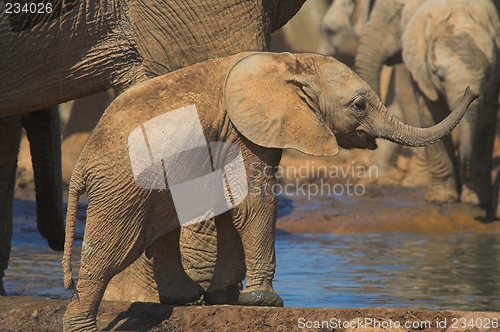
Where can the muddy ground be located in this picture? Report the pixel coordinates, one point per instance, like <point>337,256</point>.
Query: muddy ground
<point>392,202</point>
<point>35,314</point>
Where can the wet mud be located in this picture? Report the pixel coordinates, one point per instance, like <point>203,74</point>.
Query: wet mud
<point>35,314</point>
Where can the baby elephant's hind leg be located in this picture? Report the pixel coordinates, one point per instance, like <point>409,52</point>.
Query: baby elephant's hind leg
<point>100,261</point>
<point>174,285</point>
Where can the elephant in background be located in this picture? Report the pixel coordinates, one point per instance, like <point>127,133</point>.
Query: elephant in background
<point>446,45</point>
<point>84,48</point>
<point>259,102</point>
<point>341,29</point>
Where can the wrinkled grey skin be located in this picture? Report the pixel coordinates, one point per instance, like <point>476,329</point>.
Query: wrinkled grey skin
<point>316,105</point>
<point>86,47</point>
<point>446,45</point>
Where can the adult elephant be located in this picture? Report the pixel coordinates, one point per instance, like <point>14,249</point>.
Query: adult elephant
<point>81,48</point>
<point>446,45</point>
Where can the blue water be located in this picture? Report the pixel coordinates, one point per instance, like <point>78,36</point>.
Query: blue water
<point>459,271</point>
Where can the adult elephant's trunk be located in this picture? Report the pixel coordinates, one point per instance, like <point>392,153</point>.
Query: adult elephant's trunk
<point>389,127</point>
<point>379,41</point>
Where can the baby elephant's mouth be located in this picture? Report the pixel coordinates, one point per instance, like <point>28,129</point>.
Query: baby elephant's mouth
<point>356,140</point>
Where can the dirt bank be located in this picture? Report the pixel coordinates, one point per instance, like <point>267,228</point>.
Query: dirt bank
<point>35,314</point>
<point>383,209</point>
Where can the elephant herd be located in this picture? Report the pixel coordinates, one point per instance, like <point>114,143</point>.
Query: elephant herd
<point>444,44</point>
<point>436,48</point>
<point>168,56</point>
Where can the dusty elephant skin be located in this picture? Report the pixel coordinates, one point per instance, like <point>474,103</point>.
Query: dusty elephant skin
<point>261,103</point>
<point>84,47</point>
<point>446,45</point>
<point>91,47</point>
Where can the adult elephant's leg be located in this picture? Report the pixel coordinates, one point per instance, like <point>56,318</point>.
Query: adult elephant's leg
<point>44,135</point>
<point>441,163</point>
<point>10,138</point>
<point>476,173</point>
<point>230,264</point>
<point>386,149</point>
<point>405,95</point>
<point>174,285</point>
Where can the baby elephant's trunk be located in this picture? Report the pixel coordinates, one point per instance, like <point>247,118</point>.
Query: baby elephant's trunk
<point>396,131</point>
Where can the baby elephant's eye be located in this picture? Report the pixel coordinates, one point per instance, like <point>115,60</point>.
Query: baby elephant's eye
<point>360,104</point>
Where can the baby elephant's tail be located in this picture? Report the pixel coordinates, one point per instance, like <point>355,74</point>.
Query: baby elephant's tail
<point>76,188</point>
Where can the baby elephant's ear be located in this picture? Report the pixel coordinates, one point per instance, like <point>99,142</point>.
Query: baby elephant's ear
<point>270,102</point>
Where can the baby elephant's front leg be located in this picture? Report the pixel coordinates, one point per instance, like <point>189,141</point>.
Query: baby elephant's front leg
<point>255,223</point>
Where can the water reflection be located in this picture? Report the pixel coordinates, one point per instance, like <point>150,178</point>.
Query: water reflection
<point>449,272</point>
<point>36,271</point>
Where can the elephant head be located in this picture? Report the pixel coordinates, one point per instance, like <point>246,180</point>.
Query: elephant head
<point>315,104</point>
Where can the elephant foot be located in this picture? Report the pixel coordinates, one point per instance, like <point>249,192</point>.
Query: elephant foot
<point>73,325</point>
<point>441,192</point>
<point>496,211</point>
<point>417,177</point>
<point>260,295</point>
<point>480,196</point>
<point>418,174</point>
<point>260,298</point>
<point>187,293</point>
<point>75,319</point>
<point>226,295</point>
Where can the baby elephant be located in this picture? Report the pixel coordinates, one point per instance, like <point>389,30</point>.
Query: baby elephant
<point>179,148</point>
